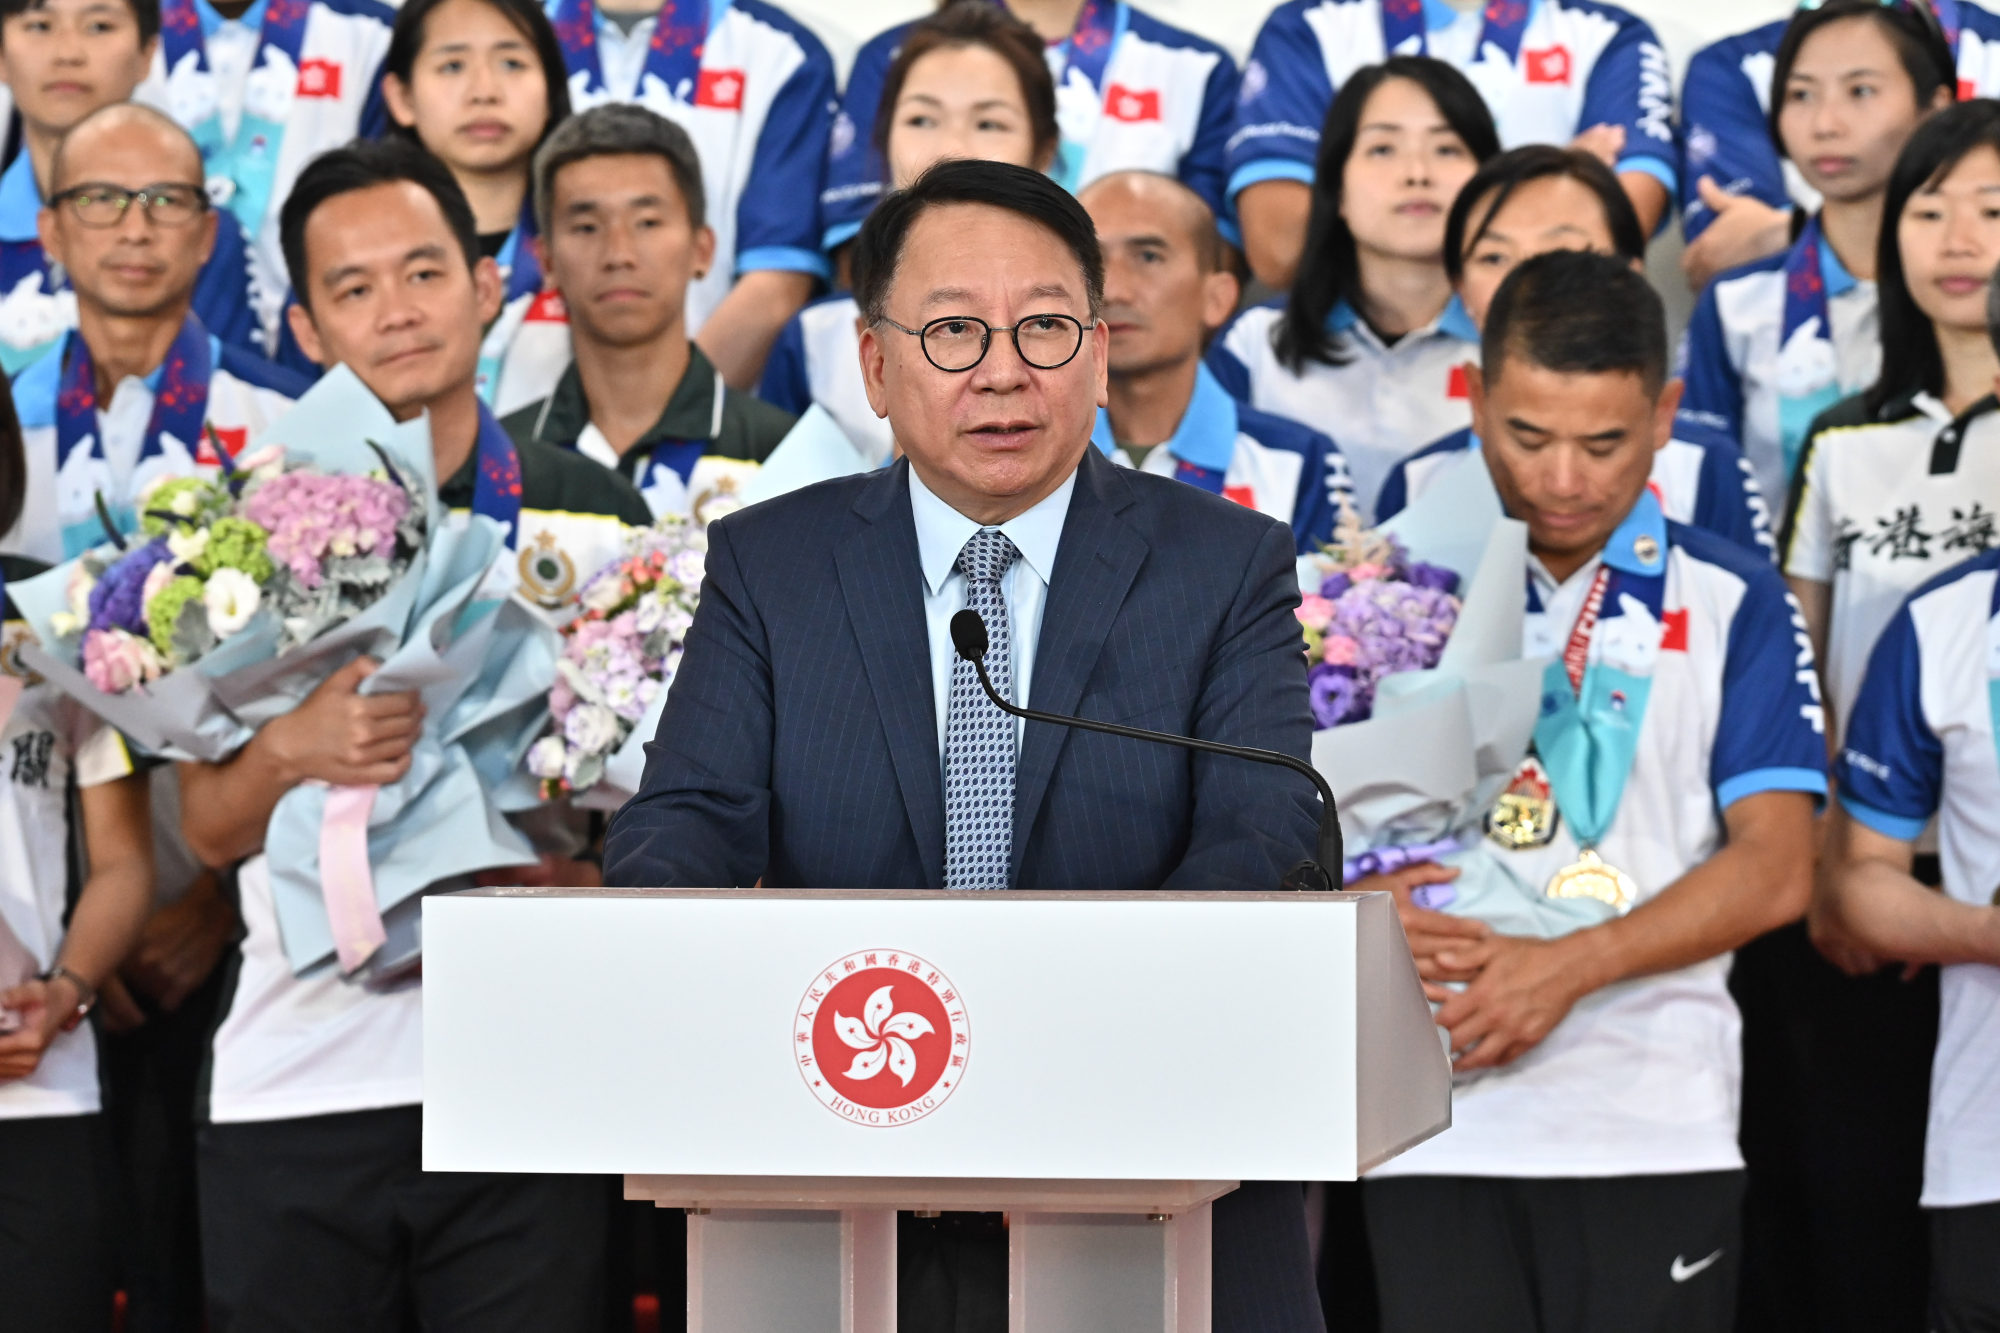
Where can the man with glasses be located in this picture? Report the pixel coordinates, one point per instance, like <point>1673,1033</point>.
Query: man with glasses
<point>819,729</point>
<point>619,199</point>
<point>141,388</point>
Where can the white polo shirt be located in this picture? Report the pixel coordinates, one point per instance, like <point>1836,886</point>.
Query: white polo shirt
<point>1921,743</point>
<point>817,359</point>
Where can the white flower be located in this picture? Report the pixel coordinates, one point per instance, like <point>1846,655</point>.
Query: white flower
<point>882,1037</point>
<point>591,728</point>
<point>676,622</point>
<point>184,501</point>
<point>187,546</point>
<point>646,616</point>
<point>545,757</point>
<point>264,463</point>
<point>603,595</point>
<point>231,597</point>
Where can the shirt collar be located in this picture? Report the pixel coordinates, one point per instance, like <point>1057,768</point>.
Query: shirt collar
<point>1453,320</point>
<point>1639,546</point>
<point>212,20</point>
<point>694,412</point>
<point>942,531</point>
<point>1206,436</point>
<point>20,200</point>
<point>1833,274</point>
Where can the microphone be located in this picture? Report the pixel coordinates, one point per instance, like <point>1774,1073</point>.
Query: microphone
<point>968,636</point>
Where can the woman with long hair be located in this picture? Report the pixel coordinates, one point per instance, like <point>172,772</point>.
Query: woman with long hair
<point>1371,337</point>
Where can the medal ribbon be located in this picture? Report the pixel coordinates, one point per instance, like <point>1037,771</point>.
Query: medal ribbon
<point>180,404</point>
<point>1808,379</point>
<point>249,158</point>
<point>680,31</point>
<point>1505,22</point>
<point>496,483</point>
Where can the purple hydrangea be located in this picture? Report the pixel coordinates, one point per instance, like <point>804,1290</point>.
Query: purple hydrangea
<point>1339,694</point>
<point>119,601</point>
<point>1435,577</point>
<point>1395,627</point>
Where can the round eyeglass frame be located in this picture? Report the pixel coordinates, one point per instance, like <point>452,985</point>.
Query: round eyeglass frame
<point>144,196</point>
<point>986,339</point>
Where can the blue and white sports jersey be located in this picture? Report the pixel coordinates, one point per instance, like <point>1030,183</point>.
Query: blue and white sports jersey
<point>245,393</point>
<point>1390,400</point>
<point>1132,93</point>
<point>1726,105</point>
<point>263,95</point>
<point>1559,68</point>
<point>817,359</point>
<point>1653,1064</point>
<point>758,100</point>
<point>37,306</point>
<point>1266,463</point>
<point>1702,482</point>
<point>1921,743</point>
<point>1740,368</point>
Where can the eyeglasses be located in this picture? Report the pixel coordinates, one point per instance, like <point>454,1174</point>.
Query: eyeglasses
<point>168,205</point>
<point>957,343</point>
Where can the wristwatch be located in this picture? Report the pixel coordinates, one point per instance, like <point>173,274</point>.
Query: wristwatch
<point>86,993</point>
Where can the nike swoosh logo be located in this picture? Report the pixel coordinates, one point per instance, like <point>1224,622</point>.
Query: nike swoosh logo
<point>1683,1270</point>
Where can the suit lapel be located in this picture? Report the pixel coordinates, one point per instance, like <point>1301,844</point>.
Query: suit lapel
<point>881,580</point>
<point>1098,558</point>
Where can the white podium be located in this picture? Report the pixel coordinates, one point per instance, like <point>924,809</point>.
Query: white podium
<point>794,1067</point>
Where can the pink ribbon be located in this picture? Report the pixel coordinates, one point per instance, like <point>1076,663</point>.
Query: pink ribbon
<point>346,880</point>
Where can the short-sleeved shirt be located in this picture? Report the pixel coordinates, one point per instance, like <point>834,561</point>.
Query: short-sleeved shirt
<point>1160,100</point>
<point>289,1046</point>
<point>817,359</point>
<point>1920,744</point>
<point>1390,399</point>
<point>333,97</point>
<point>1643,1076</point>
<point>708,441</point>
<point>46,743</point>
<point>1579,64</point>
<point>1266,463</point>
<point>1700,481</point>
<point>1726,104</point>
<point>37,306</point>
<point>1734,365</point>
<point>1883,505</point>
<point>759,113</point>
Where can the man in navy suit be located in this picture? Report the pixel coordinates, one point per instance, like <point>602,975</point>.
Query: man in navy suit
<point>821,734</point>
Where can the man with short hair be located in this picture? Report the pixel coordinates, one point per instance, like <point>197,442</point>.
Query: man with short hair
<point>1166,291</point>
<point>65,59</point>
<point>316,1212</point>
<point>141,389</point>
<point>819,729</point>
<point>1591,1179</point>
<point>620,203</point>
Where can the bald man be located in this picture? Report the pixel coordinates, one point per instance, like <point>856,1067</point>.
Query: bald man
<point>1166,292</point>
<point>124,397</point>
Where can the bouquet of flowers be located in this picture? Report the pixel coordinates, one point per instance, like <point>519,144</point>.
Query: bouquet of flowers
<point>619,655</point>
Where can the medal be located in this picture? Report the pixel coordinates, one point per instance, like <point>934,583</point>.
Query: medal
<point>1592,877</point>
<point>1525,814</point>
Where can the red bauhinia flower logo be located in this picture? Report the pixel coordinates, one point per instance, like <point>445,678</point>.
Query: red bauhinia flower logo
<point>881,1037</point>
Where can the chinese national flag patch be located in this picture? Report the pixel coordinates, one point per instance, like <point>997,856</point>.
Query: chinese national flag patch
<point>1454,387</point>
<point>1674,638</point>
<point>547,308</point>
<point>1130,104</point>
<point>719,88</point>
<point>319,78</point>
<point>1549,65</point>
<point>1243,495</point>
<point>233,438</point>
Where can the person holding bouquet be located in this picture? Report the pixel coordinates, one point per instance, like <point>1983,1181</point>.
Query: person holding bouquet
<point>141,389</point>
<point>55,1245</point>
<point>1166,289</point>
<point>624,231</point>
<point>316,1212</point>
<point>1591,1179</point>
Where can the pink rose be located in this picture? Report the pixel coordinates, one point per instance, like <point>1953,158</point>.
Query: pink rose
<point>115,661</point>
<point>1314,611</point>
<point>1363,573</point>
<point>1339,650</point>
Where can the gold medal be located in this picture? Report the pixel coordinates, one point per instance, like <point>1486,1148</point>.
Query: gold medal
<point>1525,814</point>
<point>1592,877</point>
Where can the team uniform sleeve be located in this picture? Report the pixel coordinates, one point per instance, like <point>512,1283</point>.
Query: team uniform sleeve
<point>1228,368</point>
<point>1730,503</point>
<point>222,289</point>
<point>1891,767</point>
<point>1205,168</point>
<point>1811,546</point>
<point>1771,732</point>
<point>1712,399</point>
<point>777,218</point>
<point>1322,488</point>
<point>854,172</point>
<point>1631,86</point>
<point>1726,138</point>
<point>1284,99</point>
<point>785,383</point>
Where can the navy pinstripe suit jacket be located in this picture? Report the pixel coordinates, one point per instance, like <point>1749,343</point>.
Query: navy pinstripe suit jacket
<point>799,743</point>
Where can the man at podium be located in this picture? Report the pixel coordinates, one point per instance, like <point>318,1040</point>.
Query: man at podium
<point>822,733</point>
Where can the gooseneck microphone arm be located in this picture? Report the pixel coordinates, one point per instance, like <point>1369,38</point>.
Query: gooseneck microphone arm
<point>968,636</point>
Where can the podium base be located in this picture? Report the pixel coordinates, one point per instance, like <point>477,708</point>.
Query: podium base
<point>1106,1256</point>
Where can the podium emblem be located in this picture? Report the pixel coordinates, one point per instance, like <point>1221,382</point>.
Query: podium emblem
<point>881,1038</point>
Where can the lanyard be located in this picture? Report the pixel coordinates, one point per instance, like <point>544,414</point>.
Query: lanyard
<point>1808,364</point>
<point>673,56</point>
<point>244,164</point>
<point>180,405</point>
<point>1576,653</point>
<point>1504,24</point>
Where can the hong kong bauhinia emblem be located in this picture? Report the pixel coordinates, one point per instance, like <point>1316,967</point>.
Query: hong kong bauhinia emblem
<point>881,1037</point>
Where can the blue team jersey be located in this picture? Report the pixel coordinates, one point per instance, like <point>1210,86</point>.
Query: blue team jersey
<point>1701,481</point>
<point>1155,99</point>
<point>37,306</point>
<point>1726,102</point>
<point>1575,64</point>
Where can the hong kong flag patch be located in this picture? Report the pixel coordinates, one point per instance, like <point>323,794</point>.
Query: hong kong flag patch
<point>319,78</point>
<point>233,438</point>
<point>547,308</point>
<point>1674,631</point>
<point>1131,104</point>
<point>1549,65</point>
<point>1455,386</point>
<point>719,88</point>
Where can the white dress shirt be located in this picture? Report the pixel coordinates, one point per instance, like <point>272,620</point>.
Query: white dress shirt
<point>942,533</point>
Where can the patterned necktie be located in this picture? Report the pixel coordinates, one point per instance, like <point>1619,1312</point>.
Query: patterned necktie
<point>979,738</point>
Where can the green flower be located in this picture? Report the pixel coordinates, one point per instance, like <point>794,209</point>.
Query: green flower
<point>164,614</point>
<point>236,543</point>
<point>179,503</point>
